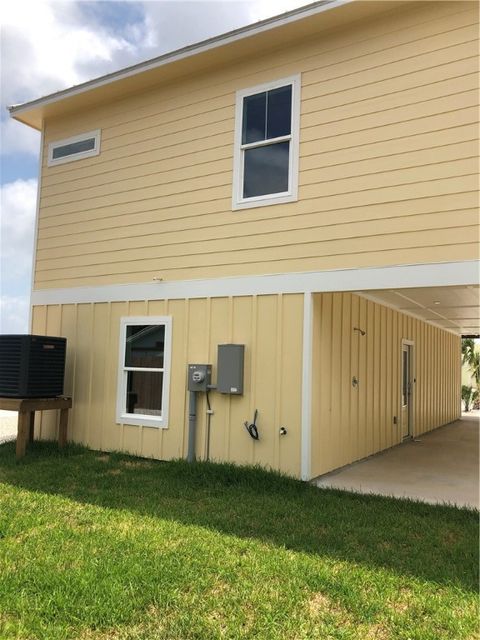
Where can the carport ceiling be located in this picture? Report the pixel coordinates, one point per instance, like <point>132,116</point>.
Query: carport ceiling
<point>453,308</point>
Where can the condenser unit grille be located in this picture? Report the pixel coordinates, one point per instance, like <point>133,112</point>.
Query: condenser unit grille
<point>10,364</point>
<point>32,366</point>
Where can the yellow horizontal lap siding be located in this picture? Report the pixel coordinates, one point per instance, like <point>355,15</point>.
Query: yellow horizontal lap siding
<point>175,231</point>
<point>160,193</point>
<point>165,260</point>
<point>174,133</point>
<point>155,166</point>
<point>385,150</point>
<point>253,233</point>
<point>175,102</point>
<point>436,122</point>
<point>459,193</point>
<point>169,172</point>
<point>115,139</point>
<point>216,186</point>
<point>135,165</point>
<point>461,75</point>
<point>406,28</point>
<point>326,259</point>
<point>378,258</point>
<point>198,326</point>
<point>341,77</point>
<point>387,163</point>
<point>350,222</point>
<point>351,423</point>
<point>149,186</point>
<point>457,186</point>
<point>351,159</point>
<point>146,128</point>
<point>143,152</point>
<point>331,108</point>
<point>387,115</point>
<point>431,80</point>
<point>206,172</point>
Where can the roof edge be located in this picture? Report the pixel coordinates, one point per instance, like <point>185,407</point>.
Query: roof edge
<point>184,52</point>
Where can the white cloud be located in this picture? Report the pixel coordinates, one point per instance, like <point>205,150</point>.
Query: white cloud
<point>17,138</point>
<point>266,8</point>
<point>14,314</point>
<point>46,46</point>
<point>170,25</point>
<point>18,204</point>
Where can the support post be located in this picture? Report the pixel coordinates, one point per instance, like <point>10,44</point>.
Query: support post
<point>62,428</point>
<point>192,425</point>
<point>306,439</point>
<point>22,433</point>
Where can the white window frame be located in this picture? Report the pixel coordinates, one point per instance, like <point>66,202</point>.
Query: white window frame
<point>51,161</point>
<point>122,416</point>
<point>238,201</point>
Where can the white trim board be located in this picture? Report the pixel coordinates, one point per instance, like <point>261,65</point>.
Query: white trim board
<point>441,274</point>
<point>307,364</point>
<point>35,231</point>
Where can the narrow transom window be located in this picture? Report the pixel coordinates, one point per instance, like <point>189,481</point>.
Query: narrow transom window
<point>75,148</point>
<point>145,345</point>
<point>266,144</point>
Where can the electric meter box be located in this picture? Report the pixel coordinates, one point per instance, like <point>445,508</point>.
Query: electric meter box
<point>230,368</point>
<point>199,377</point>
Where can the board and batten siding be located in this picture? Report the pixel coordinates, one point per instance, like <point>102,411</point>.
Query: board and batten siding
<point>270,327</point>
<point>388,163</point>
<point>350,423</point>
<point>347,423</point>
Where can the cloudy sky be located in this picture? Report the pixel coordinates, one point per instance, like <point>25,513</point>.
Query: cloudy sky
<point>49,45</point>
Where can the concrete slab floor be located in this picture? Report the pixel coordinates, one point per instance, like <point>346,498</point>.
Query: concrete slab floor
<point>438,467</point>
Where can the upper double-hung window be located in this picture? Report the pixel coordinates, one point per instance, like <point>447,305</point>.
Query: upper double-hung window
<point>266,144</point>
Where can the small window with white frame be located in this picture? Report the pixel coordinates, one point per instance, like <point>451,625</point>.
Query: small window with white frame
<point>267,124</point>
<point>144,371</point>
<point>78,147</point>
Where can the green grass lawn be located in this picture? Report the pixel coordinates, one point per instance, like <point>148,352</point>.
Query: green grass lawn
<point>96,546</point>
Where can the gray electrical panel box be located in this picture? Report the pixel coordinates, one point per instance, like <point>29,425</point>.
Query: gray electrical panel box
<point>199,377</point>
<point>230,368</point>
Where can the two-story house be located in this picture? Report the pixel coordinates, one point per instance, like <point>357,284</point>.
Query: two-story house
<point>306,187</point>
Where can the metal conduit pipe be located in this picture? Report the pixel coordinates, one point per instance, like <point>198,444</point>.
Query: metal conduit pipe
<point>192,425</point>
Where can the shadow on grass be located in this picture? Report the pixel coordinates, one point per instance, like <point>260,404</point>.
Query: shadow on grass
<point>435,543</point>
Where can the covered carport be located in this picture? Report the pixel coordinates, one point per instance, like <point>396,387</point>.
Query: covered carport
<point>438,467</point>
<point>441,465</point>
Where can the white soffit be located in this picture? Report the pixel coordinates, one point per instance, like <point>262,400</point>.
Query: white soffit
<point>456,308</point>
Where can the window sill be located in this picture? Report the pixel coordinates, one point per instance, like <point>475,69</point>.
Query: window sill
<point>264,201</point>
<point>142,421</point>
